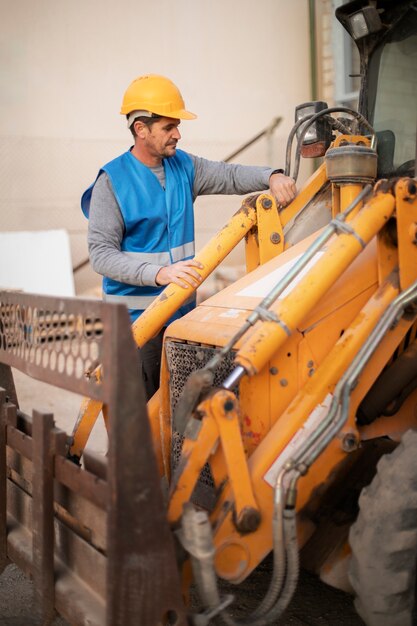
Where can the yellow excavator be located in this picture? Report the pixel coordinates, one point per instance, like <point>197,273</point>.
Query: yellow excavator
<point>286,419</point>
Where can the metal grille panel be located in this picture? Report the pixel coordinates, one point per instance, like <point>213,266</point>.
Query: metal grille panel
<point>182,359</point>
<point>54,339</point>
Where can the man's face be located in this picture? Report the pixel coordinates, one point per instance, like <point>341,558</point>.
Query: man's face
<point>161,138</point>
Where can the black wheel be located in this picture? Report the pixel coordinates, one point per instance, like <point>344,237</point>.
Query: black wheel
<point>384,541</point>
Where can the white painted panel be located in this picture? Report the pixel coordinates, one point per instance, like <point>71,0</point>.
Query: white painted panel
<point>36,262</point>
<point>263,286</point>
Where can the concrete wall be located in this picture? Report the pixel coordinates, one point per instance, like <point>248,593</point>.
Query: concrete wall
<point>67,63</point>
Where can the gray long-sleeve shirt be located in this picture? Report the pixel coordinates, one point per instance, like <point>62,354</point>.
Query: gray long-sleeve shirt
<point>106,226</point>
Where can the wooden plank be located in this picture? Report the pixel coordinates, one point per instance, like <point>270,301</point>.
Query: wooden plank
<point>80,481</point>
<point>19,546</point>
<point>3,484</point>
<point>84,517</point>
<point>43,515</point>
<point>141,557</point>
<point>24,423</point>
<point>81,516</point>
<point>19,442</point>
<point>96,464</point>
<point>76,601</point>
<point>7,383</point>
<point>19,505</point>
<point>78,555</point>
<point>20,465</point>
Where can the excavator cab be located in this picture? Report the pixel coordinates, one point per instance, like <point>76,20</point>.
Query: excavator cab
<point>385,33</point>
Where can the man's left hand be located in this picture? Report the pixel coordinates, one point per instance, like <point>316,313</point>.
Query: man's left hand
<point>282,188</point>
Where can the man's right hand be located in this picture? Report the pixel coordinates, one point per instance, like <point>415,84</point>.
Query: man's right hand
<point>181,273</point>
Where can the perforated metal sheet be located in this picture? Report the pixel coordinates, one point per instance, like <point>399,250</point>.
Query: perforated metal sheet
<point>182,359</point>
<point>55,339</point>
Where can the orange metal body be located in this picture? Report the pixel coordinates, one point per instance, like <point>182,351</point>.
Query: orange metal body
<point>270,336</point>
<point>330,313</point>
<point>292,362</point>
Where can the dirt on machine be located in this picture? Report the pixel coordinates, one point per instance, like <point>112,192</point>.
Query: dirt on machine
<point>286,419</point>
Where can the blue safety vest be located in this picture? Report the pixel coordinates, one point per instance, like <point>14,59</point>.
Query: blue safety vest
<point>159,223</point>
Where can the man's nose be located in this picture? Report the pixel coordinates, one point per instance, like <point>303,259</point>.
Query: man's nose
<point>176,134</point>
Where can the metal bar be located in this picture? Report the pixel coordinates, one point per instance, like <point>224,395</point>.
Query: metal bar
<point>43,516</point>
<point>274,123</point>
<point>81,265</point>
<point>141,558</point>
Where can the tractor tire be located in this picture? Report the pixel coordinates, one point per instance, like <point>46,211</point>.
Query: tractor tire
<point>384,541</point>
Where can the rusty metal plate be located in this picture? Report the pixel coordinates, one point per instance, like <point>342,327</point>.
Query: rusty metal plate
<point>57,340</point>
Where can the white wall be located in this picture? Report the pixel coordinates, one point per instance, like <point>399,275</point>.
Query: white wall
<point>66,64</point>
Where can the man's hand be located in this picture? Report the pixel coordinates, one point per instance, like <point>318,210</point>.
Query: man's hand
<point>181,273</point>
<point>282,188</point>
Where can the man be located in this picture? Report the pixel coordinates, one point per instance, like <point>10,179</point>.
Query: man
<point>140,208</point>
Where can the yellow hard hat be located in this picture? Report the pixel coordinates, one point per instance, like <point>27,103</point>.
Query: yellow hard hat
<point>155,94</point>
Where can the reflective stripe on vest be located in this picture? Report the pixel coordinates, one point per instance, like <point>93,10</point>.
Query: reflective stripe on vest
<point>162,258</point>
<point>138,302</point>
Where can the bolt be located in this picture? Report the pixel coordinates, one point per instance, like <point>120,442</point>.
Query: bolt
<point>310,363</point>
<point>275,237</point>
<point>412,189</point>
<point>229,405</point>
<point>273,371</point>
<point>311,371</point>
<point>248,520</point>
<point>283,382</point>
<point>350,442</point>
<point>266,203</point>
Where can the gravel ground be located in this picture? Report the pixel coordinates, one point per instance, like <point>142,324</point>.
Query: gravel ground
<point>314,603</point>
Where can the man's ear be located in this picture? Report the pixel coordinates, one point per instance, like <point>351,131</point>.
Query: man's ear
<point>140,129</point>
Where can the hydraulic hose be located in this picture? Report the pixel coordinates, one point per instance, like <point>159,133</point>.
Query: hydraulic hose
<point>307,121</point>
<point>197,540</point>
<point>293,567</point>
<point>290,140</point>
<point>279,563</point>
